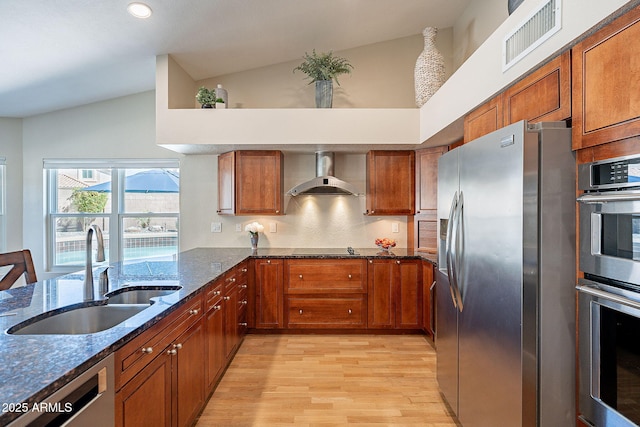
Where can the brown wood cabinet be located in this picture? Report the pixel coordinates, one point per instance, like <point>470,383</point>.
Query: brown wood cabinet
<point>269,297</point>
<point>250,183</point>
<point>390,183</point>
<point>606,87</point>
<point>165,364</point>
<point>214,320</point>
<point>395,294</point>
<point>325,293</point>
<point>428,289</point>
<point>544,95</point>
<point>427,198</point>
<point>484,119</point>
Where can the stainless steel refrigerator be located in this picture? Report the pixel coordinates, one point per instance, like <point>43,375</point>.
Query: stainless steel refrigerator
<point>505,297</point>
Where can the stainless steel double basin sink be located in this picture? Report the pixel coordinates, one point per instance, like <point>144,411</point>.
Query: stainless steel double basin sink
<point>90,318</point>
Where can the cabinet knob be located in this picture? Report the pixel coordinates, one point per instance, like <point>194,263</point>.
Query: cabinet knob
<point>300,311</point>
<point>349,276</point>
<point>370,261</point>
<point>217,292</point>
<point>172,352</point>
<point>349,311</point>
<point>397,262</point>
<point>243,302</point>
<point>300,276</point>
<point>194,311</point>
<point>177,346</point>
<point>244,270</point>
<point>243,286</point>
<point>216,307</point>
<point>277,211</point>
<point>268,261</point>
<point>147,350</point>
<point>226,298</point>
<point>242,323</point>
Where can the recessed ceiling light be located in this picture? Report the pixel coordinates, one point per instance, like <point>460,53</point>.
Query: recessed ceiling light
<point>139,10</point>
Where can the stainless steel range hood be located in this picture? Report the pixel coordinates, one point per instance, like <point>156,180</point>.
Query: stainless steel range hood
<point>324,182</point>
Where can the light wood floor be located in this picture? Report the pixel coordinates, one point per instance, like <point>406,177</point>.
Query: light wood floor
<point>329,380</point>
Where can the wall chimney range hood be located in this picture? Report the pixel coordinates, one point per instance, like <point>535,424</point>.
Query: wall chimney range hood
<point>324,182</point>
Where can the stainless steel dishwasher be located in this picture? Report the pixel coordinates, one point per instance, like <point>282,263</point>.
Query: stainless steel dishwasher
<point>88,400</point>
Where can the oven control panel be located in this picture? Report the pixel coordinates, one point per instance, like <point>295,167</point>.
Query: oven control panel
<point>621,172</point>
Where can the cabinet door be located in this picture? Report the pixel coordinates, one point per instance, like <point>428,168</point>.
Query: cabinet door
<point>269,293</point>
<point>146,399</point>
<point>409,294</point>
<point>189,364</point>
<point>427,197</point>
<point>226,183</point>
<point>391,183</point>
<point>606,87</point>
<point>381,297</point>
<point>259,177</point>
<point>428,311</point>
<point>483,120</point>
<point>544,95</point>
<point>230,307</point>
<point>216,357</point>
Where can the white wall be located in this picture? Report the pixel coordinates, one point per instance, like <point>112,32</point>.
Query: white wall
<point>11,149</point>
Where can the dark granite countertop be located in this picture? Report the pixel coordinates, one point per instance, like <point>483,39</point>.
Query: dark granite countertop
<point>34,366</point>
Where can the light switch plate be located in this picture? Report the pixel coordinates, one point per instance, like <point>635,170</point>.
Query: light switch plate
<point>216,227</point>
<point>238,227</point>
<point>394,227</point>
<point>273,227</point>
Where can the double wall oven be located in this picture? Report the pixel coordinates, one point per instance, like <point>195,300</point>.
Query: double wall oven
<point>609,294</point>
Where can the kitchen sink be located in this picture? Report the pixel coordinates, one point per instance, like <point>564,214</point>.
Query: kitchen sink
<point>134,295</point>
<point>83,320</point>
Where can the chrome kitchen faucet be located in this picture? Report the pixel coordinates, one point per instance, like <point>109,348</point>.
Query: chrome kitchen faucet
<point>88,274</point>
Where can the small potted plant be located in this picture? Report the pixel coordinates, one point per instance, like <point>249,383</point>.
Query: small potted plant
<point>220,103</point>
<point>323,68</point>
<point>206,97</point>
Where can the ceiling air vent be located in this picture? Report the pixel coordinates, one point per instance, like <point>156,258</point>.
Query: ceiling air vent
<point>538,27</point>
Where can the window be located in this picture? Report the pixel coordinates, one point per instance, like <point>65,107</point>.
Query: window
<point>87,174</point>
<point>3,220</point>
<point>135,203</point>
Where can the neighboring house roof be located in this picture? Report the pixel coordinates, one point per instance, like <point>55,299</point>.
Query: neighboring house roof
<point>65,181</point>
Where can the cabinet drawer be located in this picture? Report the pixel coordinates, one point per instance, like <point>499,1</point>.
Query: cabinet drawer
<point>140,351</point>
<point>326,312</point>
<point>322,276</point>
<point>214,295</point>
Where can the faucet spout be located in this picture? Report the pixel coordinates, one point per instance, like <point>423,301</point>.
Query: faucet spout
<point>88,274</point>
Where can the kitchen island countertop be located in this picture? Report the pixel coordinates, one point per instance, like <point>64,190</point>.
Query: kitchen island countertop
<point>34,366</point>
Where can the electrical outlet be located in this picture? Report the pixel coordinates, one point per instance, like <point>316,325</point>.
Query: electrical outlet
<point>394,227</point>
<point>216,227</point>
<point>273,227</point>
<point>238,227</point>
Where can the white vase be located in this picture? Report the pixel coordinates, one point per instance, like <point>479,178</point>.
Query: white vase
<point>429,71</point>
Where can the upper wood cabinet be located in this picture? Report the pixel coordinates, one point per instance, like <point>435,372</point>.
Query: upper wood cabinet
<point>544,95</point>
<point>250,183</point>
<point>390,183</point>
<point>483,120</point>
<point>606,87</point>
<point>427,197</point>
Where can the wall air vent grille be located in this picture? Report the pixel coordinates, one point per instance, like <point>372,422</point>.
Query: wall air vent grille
<point>538,27</point>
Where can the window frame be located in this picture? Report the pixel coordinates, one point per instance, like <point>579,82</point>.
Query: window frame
<point>116,214</point>
<point>3,205</point>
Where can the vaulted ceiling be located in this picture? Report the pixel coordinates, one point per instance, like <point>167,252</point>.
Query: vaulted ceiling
<point>60,54</point>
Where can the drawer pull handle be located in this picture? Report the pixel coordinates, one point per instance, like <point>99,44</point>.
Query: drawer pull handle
<point>217,292</point>
<point>243,286</point>
<point>147,350</point>
<point>349,311</point>
<point>226,298</point>
<point>242,323</point>
<point>216,307</point>
<point>194,311</point>
<point>177,346</point>
<point>172,352</point>
<point>243,302</point>
<point>233,279</point>
<point>244,270</point>
<point>300,311</point>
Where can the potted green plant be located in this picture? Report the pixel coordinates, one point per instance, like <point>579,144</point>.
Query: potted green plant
<point>220,103</point>
<point>206,97</point>
<point>323,68</point>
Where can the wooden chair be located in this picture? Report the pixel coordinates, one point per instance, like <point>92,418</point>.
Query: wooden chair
<point>22,264</point>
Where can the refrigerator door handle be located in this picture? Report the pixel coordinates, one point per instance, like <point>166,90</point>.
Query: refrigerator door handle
<point>458,250</point>
<point>448,254</point>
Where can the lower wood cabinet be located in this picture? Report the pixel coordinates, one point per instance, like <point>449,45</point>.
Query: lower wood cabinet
<point>326,312</point>
<point>428,289</point>
<point>395,294</point>
<point>159,373</point>
<point>215,339</point>
<point>269,298</point>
